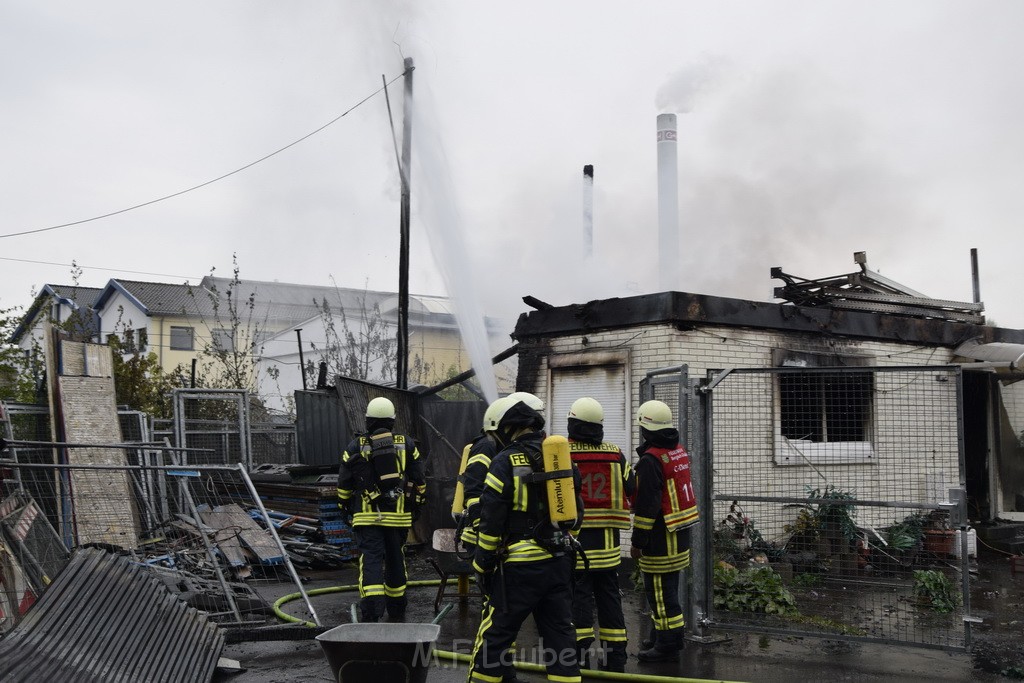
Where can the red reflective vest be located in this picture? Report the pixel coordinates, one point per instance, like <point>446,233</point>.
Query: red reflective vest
<point>678,502</point>
<point>605,503</point>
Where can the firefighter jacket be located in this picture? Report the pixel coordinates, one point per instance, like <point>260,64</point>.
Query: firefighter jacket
<point>514,522</point>
<point>607,485</point>
<point>481,452</point>
<point>665,503</point>
<point>381,486</point>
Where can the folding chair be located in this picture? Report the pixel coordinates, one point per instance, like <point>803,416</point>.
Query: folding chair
<point>448,565</point>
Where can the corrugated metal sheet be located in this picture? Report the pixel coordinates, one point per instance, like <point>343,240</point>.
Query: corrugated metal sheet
<point>321,426</point>
<point>106,619</point>
<point>326,420</point>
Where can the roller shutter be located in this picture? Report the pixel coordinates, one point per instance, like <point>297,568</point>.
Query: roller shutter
<point>604,383</point>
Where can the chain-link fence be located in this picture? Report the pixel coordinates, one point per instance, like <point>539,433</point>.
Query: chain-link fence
<point>837,493</point>
<point>201,528</point>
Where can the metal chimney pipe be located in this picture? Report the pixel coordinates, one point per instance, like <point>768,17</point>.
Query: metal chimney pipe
<point>975,277</point>
<point>588,211</point>
<point>668,204</point>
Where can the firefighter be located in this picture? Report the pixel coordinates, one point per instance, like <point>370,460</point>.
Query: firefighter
<point>664,505</point>
<point>524,549</point>
<point>381,485</point>
<point>471,480</point>
<point>607,485</point>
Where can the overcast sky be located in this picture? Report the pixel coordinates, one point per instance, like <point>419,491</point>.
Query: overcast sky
<point>807,131</point>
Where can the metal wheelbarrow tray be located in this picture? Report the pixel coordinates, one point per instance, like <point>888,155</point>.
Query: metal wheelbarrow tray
<point>374,652</point>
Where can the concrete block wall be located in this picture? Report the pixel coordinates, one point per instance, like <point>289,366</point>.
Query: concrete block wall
<point>915,421</point>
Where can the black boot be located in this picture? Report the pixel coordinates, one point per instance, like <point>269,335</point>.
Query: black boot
<point>614,658</point>
<point>583,653</point>
<point>665,648</point>
<point>396,609</point>
<point>648,642</point>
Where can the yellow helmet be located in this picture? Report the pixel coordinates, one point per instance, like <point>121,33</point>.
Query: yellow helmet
<point>526,397</point>
<point>494,412</point>
<point>654,415</point>
<point>380,407</point>
<point>587,409</point>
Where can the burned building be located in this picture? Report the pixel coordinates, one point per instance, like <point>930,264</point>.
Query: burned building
<point>863,385</point>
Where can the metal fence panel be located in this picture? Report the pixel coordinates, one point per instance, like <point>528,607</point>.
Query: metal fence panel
<point>836,493</point>
<point>200,526</point>
<point>219,442</point>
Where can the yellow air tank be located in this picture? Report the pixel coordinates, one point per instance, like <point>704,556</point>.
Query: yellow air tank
<point>459,502</point>
<point>561,494</point>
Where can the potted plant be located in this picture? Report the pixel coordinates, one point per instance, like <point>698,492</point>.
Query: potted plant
<point>938,537</point>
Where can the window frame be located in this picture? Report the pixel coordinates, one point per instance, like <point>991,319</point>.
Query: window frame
<point>191,338</point>
<point>794,452</point>
<point>222,333</point>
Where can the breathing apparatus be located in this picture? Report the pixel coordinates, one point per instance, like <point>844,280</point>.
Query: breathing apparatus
<point>381,452</point>
<point>561,492</point>
<point>490,427</point>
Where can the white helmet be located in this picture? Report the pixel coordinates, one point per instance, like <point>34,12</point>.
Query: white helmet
<point>526,397</point>
<point>494,412</point>
<point>380,407</point>
<point>587,409</point>
<point>654,415</point>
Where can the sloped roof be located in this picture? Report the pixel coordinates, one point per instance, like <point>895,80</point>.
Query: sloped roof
<point>157,298</point>
<point>291,303</point>
<point>72,295</point>
<point>281,303</point>
<point>75,296</point>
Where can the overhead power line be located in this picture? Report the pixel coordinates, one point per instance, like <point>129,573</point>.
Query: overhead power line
<point>214,180</point>
<point>112,270</point>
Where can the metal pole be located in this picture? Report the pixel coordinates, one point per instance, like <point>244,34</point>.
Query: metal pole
<point>701,562</point>
<point>975,278</point>
<point>588,211</point>
<point>277,539</point>
<point>302,361</point>
<point>402,369</point>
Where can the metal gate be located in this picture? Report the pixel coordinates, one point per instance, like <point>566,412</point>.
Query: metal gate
<point>831,501</point>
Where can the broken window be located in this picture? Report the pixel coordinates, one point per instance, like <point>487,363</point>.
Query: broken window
<point>824,415</point>
<point>825,407</point>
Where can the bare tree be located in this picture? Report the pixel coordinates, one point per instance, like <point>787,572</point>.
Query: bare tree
<point>368,352</point>
<point>237,331</point>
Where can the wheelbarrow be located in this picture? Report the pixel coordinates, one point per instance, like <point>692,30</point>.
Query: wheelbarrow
<point>374,652</point>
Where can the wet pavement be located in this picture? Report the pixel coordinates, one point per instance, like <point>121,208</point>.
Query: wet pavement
<point>997,653</point>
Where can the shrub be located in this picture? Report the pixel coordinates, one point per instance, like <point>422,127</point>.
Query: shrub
<point>933,589</point>
<point>758,589</point>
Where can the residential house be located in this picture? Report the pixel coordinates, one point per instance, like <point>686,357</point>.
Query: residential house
<point>66,305</point>
<point>178,322</point>
<point>324,317</point>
